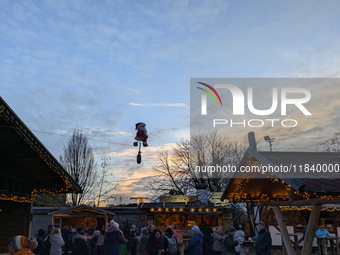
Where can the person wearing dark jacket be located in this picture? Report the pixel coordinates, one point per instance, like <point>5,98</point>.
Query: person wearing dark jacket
<point>169,237</point>
<point>229,243</point>
<point>263,241</point>
<point>218,241</point>
<point>65,235</point>
<point>155,245</point>
<point>70,239</point>
<point>207,240</point>
<point>95,246</point>
<point>48,232</point>
<point>80,244</point>
<point>143,241</point>
<point>195,246</point>
<point>39,236</point>
<point>112,240</point>
<point>133,239</point>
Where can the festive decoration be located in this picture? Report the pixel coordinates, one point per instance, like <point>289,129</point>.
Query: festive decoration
<point>34,144</point>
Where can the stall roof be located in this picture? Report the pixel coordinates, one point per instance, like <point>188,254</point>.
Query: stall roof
<point>27,160</point>
<point>318,184</point>
<point>190,213</point>
<point>180,205</point>
<point>276,185</point>
<point>81,208</point>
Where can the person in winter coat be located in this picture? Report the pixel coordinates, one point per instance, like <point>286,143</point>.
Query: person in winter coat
<point>112,240</point>
<point>195,246</point>
<point>151,229</point>
<point>21,245</point>
<point>39,236</point>
<point>94,247</point>
<point>56,242</point>
<point>49,230</point>
<point>207,240</point>
<point>70,239</point>
<point>239,236</point>
<point>218,241</point>
<point>143,241</point>
<point>133,239</point>
<point>229,243</point>
<point>170,243</point>
<point>155,245</point>
<point>80,244</point>
<point>264,240</point>
<point>65,235</point>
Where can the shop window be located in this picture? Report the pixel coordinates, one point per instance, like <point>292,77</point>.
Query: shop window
<point>57,222</point>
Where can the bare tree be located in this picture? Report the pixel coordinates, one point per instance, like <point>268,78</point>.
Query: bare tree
<point>78,160</point>
<point>330,145</point>
<point>104,189</point>
<point>177,173</point>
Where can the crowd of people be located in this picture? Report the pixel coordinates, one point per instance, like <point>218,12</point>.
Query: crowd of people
<point>149,241</point>
<point>227,243</point>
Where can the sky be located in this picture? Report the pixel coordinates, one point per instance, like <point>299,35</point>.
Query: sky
<point>102,66</point>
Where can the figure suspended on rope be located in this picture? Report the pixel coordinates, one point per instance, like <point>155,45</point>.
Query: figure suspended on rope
<point>142,134</point>
<point>141,137</point>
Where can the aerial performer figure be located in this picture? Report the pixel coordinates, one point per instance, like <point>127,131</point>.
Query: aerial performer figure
<point>141,137</point>
<point>142,134</point>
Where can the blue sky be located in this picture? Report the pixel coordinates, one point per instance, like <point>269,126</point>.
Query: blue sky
<point>102,66</point>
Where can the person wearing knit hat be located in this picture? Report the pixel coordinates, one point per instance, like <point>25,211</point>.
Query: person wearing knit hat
<point>195,229</point>
<point>261,223</point>
<point>195,246</point>
<point>218,241</point>
<point>264,240</point>
<point>94,243</point>
<point>21,245</point>
<point>143,241</point>
<point>113,239</point>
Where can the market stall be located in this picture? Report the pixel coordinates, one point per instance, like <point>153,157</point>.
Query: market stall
<point>187,212</point>
<point>87,217</point>
<point>276,190</point>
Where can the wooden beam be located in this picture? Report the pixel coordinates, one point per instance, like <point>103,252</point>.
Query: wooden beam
<point>284,232</point>
<point>291,195</point>
<point>311,229</point>
<point>320,201</point>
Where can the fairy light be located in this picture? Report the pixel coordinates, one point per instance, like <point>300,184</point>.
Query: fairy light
<point>34,145</point>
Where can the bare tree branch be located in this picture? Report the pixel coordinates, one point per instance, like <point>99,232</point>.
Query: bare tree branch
<point>78,160</point>
<point>176,173</point>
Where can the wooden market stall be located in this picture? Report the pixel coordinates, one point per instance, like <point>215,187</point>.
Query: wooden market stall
<point>83,216</point>
<point>26,168</point>
<point>184,212</point>
<point>277,189</point>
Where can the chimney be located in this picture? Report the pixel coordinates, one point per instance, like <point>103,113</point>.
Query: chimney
<point>252,141</point>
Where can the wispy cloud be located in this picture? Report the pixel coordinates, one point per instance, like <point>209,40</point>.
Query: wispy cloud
<point>161,105</point>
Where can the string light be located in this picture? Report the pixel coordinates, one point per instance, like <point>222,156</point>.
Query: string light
<point>34,145</point>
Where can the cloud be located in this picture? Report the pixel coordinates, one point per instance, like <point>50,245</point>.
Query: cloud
<point>161,105</point>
